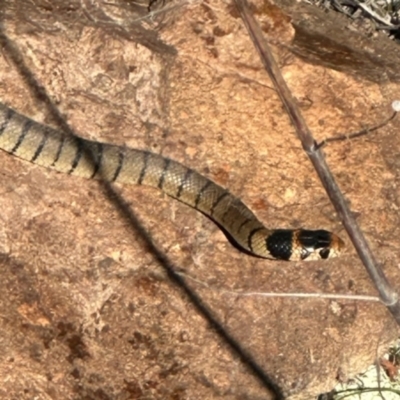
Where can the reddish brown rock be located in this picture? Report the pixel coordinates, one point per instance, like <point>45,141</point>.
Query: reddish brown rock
<point>87,310</point>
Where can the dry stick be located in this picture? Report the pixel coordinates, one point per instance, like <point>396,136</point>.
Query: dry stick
<point>242,293</point>
<point>386,293</point>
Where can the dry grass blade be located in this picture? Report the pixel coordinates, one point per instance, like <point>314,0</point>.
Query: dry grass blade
<point>387,294</point>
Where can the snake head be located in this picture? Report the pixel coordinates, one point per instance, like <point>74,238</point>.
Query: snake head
<point>319,244</point>
<point>301,244</point>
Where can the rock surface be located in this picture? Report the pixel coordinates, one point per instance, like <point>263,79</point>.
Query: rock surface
<point>88,311</point>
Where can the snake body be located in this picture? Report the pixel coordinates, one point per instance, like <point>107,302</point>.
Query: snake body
<point>51,148</point>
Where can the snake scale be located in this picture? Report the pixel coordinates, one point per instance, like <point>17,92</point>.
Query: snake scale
<point>51,148</point>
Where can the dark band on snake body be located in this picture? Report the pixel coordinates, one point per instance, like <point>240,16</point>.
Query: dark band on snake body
<point>279,244</point>
<point>163,173</point>
<point>121,157</point>
<point>40,147</point>
<point>9,114</point>
<point>200,193</point>
<point>146,157</point>
<point>78,154</point>
<point>185,179</point>
<point>59,151</point>
<point>216,202</point>
<point>27,126</point>
<point>97,162</point>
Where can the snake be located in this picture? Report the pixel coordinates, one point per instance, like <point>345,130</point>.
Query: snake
<point>52,148</point>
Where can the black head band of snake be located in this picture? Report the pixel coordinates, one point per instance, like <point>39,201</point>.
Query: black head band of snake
<point>52,148</point>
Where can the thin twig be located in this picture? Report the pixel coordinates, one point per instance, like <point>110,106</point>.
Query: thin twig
<point>387,294</point>
<point>243,293</point>
<point>354,135</point>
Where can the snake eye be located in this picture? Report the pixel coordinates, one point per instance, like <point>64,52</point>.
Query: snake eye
<point>324,253</point>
